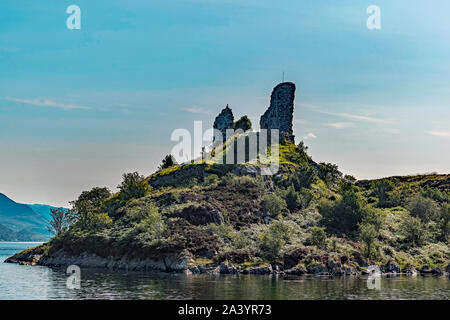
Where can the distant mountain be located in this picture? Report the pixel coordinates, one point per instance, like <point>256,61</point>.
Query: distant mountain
<point>22,222</point>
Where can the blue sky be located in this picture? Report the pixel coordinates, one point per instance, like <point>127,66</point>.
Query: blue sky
<point>80,107</point>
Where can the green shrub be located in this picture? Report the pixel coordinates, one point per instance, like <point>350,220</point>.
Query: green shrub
<point>292,199</point>
<point>133,186</point>
<point>423,208</point>
<point>243,123</point>
<point>329,173</point>
<point>211,179</point>
<point>273,239</point>
<point>274,204</point>
<point>167,162</point>
<point>368,234</point>
<point>303,176</point>
<point>342,217</point>
<point>318,237</point>
<point>414,231</point>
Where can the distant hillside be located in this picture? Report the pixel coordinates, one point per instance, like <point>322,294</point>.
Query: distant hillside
<point>21,222</point>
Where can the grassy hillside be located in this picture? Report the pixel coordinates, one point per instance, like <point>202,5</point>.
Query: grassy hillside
<point>307,216</point>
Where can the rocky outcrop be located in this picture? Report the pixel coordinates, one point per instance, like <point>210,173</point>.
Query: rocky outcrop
<point>281,111</point>
<point>28,257</point>
<point>224,121</point>
<point>201,215</point>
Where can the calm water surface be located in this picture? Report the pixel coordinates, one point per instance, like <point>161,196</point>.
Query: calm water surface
<point>26,282</point>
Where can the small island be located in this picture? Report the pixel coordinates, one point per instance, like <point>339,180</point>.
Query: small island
<point>308,218</point>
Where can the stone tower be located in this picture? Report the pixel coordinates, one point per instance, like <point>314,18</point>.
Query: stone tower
<point>281,111</point>
<point>224,121</point>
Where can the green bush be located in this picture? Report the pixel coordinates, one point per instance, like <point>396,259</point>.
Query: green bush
<point>414,231</point>
<point>292,199</point>
<point>318,237</point>
<point>303,176</point>
<point>273,239</point>
<point>329,173</point>
<point>423,208</point>
<point>368,234</point>
<point>243,123</point>
<point>274,204</point>
<point>342,217</point>
<point>382,189</point>
<point>167,162</point>
<point>133,186</point>
<point>211,179</point>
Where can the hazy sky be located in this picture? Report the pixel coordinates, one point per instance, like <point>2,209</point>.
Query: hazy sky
<point>80,107</point>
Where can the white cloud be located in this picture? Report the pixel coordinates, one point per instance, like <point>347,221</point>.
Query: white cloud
<point>299,121</point>
<point>48,103</point>
<point>440,133</point>
<point>196,110</point>
<point>309,136</point>
<point>349,116</point>
<point>340,125</point>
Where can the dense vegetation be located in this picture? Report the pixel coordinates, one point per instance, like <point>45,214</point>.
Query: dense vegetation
<point>305,214</point>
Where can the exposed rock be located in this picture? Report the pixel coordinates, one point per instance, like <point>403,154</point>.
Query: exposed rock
<point>437,271</point>
<point>224,121</point>
<point>392,267</point>
<point>317,269</point>
<point>425,269</point>
<point>228,268</point>
<point>410,270</point>
<point>281,110</point>
<point>360,260</point>
<point>201,215</point>
<point>259,270</point>
<point>296,271</point>
<point>29,257</point>
<point>292,258</point>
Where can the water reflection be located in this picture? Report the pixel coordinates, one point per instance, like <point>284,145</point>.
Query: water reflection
<point>25,282</point>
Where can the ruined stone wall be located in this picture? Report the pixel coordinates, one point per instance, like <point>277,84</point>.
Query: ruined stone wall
<point>224,121</point>
<point>281,111</point>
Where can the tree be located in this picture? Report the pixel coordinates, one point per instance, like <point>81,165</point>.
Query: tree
<point>381,190</point>
<point>423,208</point>
<point>368,235</point>
<point>318,237</point>
<point>303,176</point>
<point>59,221</point>
<point>414,231</point>
<point>243,123</point>
<point>88,202</point>
<point>133,186</point>
<point>342,217</point>
<point>274,204</point>
<point>167,162</point>
<point>273,239</point>
<point>444,222</point>
<point>329,173</point>
<point>292,198</point>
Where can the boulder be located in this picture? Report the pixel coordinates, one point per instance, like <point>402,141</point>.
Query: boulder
<point>227,268</point>
<point>410,270</point>
<point>259,270</point>
<point>296,271</point>
<point>392,267</point>
<point>316,269</point>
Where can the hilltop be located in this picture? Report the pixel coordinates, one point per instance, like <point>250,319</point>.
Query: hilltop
<point>308,217</point>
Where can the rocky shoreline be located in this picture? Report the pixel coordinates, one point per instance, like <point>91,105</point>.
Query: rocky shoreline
<point>183,263</point>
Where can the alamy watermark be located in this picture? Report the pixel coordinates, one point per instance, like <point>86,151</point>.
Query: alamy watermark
<point>74,280</point>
